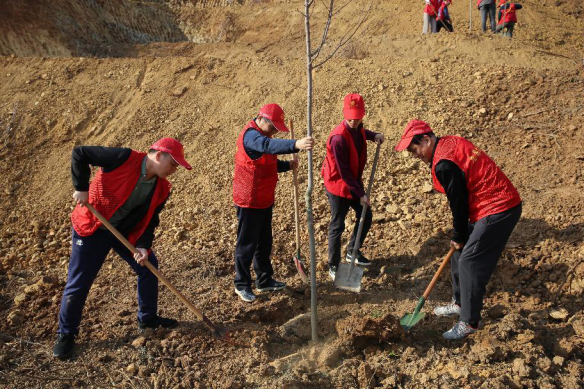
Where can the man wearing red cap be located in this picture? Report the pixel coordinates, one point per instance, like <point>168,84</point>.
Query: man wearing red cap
<point>478,192</point>
<point>254,190</point>
<point>130,189</point>
<point>342,170</point>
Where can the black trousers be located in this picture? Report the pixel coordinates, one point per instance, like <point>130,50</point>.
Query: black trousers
<point>339,209</point>
<point>444,24</point>
<point>472,267</point>
<point>254,242</point>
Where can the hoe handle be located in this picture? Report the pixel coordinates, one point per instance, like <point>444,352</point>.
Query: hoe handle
<point>152,269</point>
<point>295,182</point>
<point>437,275</point>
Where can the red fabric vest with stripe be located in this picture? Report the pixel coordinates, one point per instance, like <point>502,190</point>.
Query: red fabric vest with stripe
<point>489,190</point>
<point>432,8</point>
<point>109,190</point>
<point>333,181</point>
<point>508,15</point>
<point>254,181</point>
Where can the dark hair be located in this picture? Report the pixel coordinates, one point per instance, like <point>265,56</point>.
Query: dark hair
<point>418,138</point>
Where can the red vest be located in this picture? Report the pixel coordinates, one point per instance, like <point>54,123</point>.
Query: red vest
<point>432,8</point>
<point>254,181</point>
<point>109,190</point>
<point>508,15</point>
<point>333,181</point>
<point>489,190</point>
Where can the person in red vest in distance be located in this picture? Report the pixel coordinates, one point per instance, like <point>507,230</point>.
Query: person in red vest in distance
<point>507,17</point>
<point>342,170</point>
<point>485,209</point>
<point>254,189</point>
<point>430,14</point>
<point>129,190</point>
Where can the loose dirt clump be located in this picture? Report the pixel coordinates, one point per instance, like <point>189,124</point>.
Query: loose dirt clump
<point>359,332</point>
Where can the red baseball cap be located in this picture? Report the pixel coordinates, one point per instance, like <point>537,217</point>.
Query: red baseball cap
<point>353,106</point>
<point>413,128</point>
<point>174,148</point>
<point>501,3</point>
<point>275,114</point>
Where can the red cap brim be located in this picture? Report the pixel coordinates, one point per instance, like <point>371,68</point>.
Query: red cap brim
<point>403,144</point>
<point>351,114</point>
<point>181,161</point>
<point>281,126</point>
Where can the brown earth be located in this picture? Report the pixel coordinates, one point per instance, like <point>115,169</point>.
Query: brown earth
<point>126,73</point>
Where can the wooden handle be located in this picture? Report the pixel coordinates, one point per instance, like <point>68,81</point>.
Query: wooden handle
<point>295,181</point>
<point>437,275</point>
<point>153,269</point>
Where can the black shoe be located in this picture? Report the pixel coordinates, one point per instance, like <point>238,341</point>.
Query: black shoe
<point>155,322</point>
<point>360,260</point>
<point>272,285</point>
<point>63,348</point>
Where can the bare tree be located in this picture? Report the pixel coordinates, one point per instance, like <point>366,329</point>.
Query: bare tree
<point>313,62</point>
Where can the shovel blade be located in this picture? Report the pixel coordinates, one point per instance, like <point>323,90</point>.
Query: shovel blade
<point>409,320</point>
<point>347,279</point>
<point>301,268</point>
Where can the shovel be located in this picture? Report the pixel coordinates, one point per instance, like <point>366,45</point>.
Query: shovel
<point>409,320</point>
<point>298,260</point>
<point>218,332</point>
<point>348,277</point>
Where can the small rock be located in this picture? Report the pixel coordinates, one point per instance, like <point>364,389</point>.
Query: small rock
<point>559,361</point>
<point>140,341</point>
<point>427,188</point>
<point>521,368</point>
<point>559,314</point>
<point>132,369</point>
<point>510,116</point>
<point>482,112</point>
<point>16,318</point>
<point>179,91</point>
<point>19,299</point>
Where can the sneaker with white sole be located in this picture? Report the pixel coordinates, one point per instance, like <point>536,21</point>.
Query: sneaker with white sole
<point>333,271</point>
<point>360,260</point>
<point>459,331</point>
<point>245,294</point>
<point>272,285</point>
<point>451,309</point>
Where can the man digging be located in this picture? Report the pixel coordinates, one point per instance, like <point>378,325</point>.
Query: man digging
<point>254,190</point>
<point>342,171</point>
<point>130,189</point>
<point>478,192</point>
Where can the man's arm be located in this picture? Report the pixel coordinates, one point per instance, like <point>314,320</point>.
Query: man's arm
<point>256,144</point>
<point>145,240</point>
<point>84,156</point>
<point>452,180</point>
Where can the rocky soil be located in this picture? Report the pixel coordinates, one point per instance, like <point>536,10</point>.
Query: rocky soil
<point>199,71</point>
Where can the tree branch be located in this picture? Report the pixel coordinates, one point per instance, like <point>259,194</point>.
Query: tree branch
<point>316,53</point>
<point>347,37</point>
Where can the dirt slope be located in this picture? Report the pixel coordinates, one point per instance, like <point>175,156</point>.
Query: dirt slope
<point>199,71</point>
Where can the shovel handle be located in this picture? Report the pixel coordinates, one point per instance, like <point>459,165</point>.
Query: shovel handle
<point>437,275</point>
<point>364,210</point>
<point>295,182</point>
<point>152,269</point>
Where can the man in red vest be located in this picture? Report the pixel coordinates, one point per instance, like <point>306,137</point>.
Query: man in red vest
<point>254,190</point>
<point>478,192</point>
<point>507,17</point>
<point>342,170</point>
<point>130,189</point>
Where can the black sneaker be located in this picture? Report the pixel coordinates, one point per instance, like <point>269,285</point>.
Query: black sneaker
<point>155,322</point>
<point>360,260</point>
<point>272,285</point>
<point>63,348</point>
<point>333,271</point>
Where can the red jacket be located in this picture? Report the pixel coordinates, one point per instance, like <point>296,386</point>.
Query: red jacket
<point>432,8</point>
<point>508,14</point>
<point>333,181</point>
<point>489,190</point>
<point>108,191</point>
<point>254,181</point>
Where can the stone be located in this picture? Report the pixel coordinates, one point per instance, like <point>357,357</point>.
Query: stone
<point>427,188</point>
<point>510,116</point>
<point>558,361</point>
<point>559,314</point>
<point>482,111</point>
<point>140,341</point>
<point>19,299</point>
<point>179,91</point>
<point>521,368</point>
<point>132,369</point>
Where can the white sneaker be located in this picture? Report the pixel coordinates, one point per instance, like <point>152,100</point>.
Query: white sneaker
<point>246,295</point>
<point>459,331</point>
<point>333,272</point>
<point>448,310</point>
